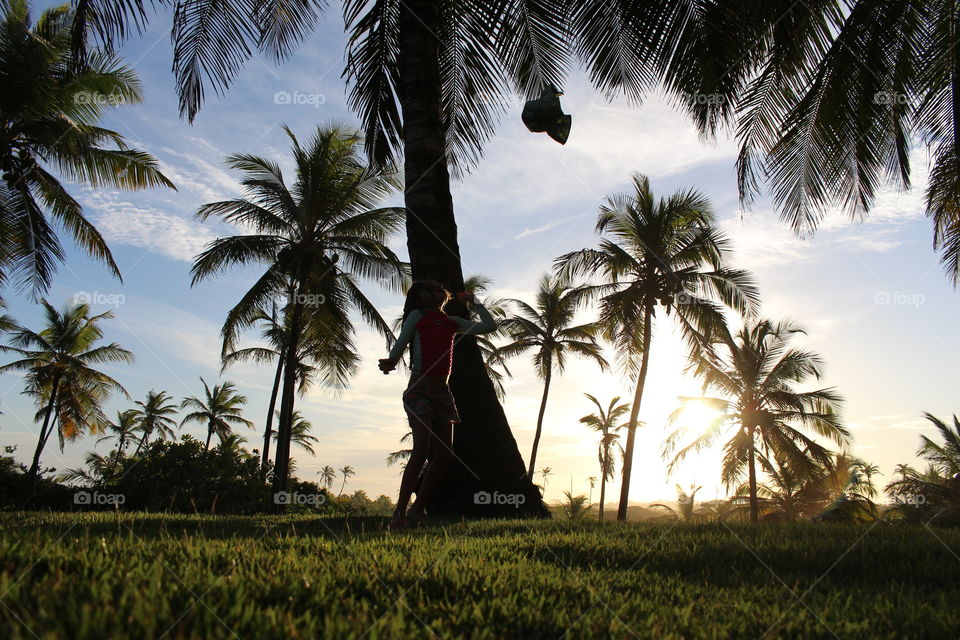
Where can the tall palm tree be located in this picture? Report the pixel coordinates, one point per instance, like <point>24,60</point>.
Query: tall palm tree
<point>347,472</point>
<point>606,422</point>
<point>545,473</point>
<point>756,373</point>
<point>219,409</point>
<point>123,431</point>
<point>593,483</point>
<point>314,238</point>
<point>58,361</point>
<point>300,433</point>
<point>652,252</point>
<point>48,131</point>
<point>328,475</point>
<point>153,416</point>
<point>547,329</point>
<point>276,335</point>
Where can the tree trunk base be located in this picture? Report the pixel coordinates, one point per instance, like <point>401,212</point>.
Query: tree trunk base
<point>487,477</point>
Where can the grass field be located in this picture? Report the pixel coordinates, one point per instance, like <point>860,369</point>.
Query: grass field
<point>98,575</point>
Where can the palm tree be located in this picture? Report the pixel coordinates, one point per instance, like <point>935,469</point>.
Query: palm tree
<point>757,377</point>
<point>300,433</point>
<point>232,442</point>
<point>276,335</point>
<point>48,125</point>
<point>314,238</point>
<point>58,361</point>
<point>665,252</point>
<point>547,328</point>
<point>593,483</point>
<point>828,104</point>
<point>220,409</point>
<point>605,422</point>
<point>685,511</point>
<point>328,476</point>
<point>545,472</point>
<point>935,492</point>
<point>123,430</point>
<point>576,507</point>
<point>153,416</point>
<point>347,472</point>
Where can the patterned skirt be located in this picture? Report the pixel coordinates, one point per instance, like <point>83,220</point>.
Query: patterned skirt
<point>430,398</point>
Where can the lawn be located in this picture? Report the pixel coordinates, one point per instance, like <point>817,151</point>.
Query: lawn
<point>100,575</point>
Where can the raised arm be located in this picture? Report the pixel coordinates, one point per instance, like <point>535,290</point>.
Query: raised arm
<point>468,327</point>
<point>407,332</point>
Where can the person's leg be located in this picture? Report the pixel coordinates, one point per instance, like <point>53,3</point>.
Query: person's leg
<point>441,438</point>
<point>421,441</point>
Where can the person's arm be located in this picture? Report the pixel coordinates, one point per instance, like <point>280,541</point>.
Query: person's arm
<point>406,335</point>
<point>468,327</point>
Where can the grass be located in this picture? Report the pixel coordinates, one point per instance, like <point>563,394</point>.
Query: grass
<point>101,575</point>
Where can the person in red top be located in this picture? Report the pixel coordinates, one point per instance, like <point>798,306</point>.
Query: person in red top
<point>429,405</point>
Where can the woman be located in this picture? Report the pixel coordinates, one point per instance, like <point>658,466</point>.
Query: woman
<point>427,400</point>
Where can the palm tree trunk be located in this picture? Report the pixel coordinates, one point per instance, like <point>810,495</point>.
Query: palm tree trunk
<point>143,443</point>
<point>603,493</point>
<point>634,414</point>
<point>543,408</point>
<point>273,402</point>
<point>44,434</point>
<point>287,398</point>
<point>206,447</point>
<point>486,456</point>
<point>754,505</point>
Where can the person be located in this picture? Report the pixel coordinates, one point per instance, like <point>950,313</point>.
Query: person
<point>428,402</point>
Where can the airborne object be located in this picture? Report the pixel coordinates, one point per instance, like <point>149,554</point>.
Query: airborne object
<point>545,115</point>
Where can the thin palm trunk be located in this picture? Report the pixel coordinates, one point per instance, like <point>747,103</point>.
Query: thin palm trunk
<point>44,433</point>
<point>287,399</point>
<point>543,408</point>
<point>143,443</point>
<point>484,434</point>
<point>209,434</point>
<point>273,402</point>
<point>754,505</point>
<point>634,414</point>
<point>603,493</point>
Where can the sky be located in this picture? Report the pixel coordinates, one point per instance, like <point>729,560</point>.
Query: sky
<point>871,294</point>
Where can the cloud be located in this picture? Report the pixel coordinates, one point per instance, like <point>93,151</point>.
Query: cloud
<point>135,225</point>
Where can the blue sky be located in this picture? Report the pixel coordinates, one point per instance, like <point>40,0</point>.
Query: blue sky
<point>872,295</point>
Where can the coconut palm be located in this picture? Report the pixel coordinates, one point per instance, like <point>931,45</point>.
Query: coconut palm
<point>153,417</point>
<point>686,510</point>
<point>123,431</point>
<point>328,475</point>
<point>934,493</point>
<point>58,361</point>
<point>314,239</point>
<point>545,473</point>
<point>48,131</point>
<point>300,433</point>
<point>99,468</point>
<point>606,422</point>
<point>347,472</point>
<point>220,409</point>
<point>232,442</point>
<point>593,483</point>
<point>547,329</point>
<point>275,333</point>
<point>575,507</point>
<point>757,372</point>
<point>652,252</point>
